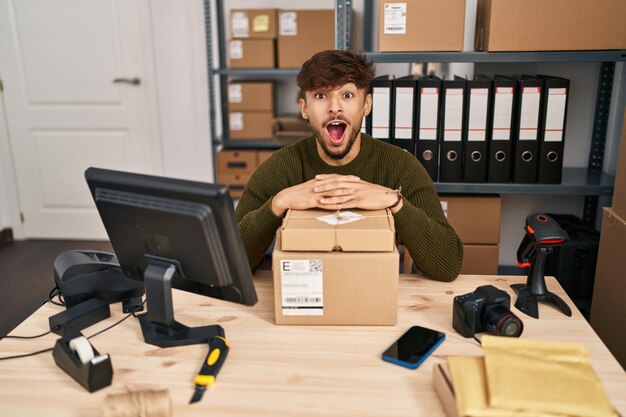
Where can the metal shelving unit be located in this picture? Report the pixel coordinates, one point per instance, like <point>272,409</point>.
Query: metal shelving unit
<point>590,182</point>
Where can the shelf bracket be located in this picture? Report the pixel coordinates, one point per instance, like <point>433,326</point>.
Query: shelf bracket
<point>343,24</point>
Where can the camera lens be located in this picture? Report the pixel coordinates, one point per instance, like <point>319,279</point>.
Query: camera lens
<point>500,321</point>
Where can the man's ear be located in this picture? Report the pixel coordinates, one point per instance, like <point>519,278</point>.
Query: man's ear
<point>367,106</point>
<point>303,110</point>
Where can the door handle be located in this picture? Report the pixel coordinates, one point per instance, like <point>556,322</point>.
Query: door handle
<point>132,81</point>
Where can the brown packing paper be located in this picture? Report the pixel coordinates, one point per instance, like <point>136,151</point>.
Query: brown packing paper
<point>543,376</point>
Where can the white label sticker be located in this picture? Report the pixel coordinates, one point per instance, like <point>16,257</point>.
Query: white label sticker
<point>302,287</point>
<point>234,93</point>
<point>477,128</point>
<point>239,25</point>
<point>429,113</point>
<point>444,206</point>
<point>288,24</point>
<point>236,121</point>
<point>404,113</point>
<point>381,101</point>
<point>341,217</point>
<point>236,49</point>
<point>555,114</point>
<point>502,113</point>
<point>395,19</point>
<point>454,115</point>
<point>529,113</point>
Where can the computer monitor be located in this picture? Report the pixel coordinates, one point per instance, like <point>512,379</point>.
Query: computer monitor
<point>173,233</point>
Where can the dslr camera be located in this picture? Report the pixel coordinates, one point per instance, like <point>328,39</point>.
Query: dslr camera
<point>485,309</point>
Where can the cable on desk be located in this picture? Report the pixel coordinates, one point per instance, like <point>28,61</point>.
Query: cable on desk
<point>26,337</point>
<point>54,293</point>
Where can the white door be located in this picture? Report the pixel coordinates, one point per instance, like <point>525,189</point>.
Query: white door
<point>65,112</point>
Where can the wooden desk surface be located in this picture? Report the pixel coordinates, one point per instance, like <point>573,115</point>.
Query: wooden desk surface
<point>280,370</point>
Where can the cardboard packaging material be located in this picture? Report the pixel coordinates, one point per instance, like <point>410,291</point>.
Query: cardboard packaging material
<point>291,128</point>
<point>480,259</point>
<point>607,305</point>
<point>619,192</point>
<point>302,33</point>
<point>315,283</point>
<point>476,219</point>
<point>250,125</point>
<point>253,23</point>
<point>251,53</point>
<point>236,162</point>
<point>550,25</point>
<point>250,96</point>
<point>234,182</point>
<point>421,25</point>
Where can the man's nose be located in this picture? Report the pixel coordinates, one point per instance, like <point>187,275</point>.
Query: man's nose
<point>335,105</point>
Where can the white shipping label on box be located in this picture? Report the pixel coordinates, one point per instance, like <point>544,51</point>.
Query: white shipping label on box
<point>236,121</point>
<point>502,113</point>
<point>477,128</point>
<point>302,287</point>
<point>404,113</point>
<point>429,113</point>
<point>340,217</point>
<point>239,25</point>
<point>288,24</point>
<point>529,113</point>
<point>454,115</point>
<point>395,19</point>
<point>234,93</point>
<point>555,114</point>
<point>236,49</point>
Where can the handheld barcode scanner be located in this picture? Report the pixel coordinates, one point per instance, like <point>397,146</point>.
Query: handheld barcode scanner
<point>543,234</point>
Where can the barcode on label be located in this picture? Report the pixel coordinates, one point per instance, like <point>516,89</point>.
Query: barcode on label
<point>303,300</point>
<point>316,265</point>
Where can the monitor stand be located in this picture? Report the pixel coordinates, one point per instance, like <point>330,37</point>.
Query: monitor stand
<point>158,325</point>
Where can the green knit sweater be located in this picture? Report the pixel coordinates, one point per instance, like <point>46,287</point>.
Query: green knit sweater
<point>420,223</point>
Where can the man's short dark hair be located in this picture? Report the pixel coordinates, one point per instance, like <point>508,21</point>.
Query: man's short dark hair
<point>334,68</point>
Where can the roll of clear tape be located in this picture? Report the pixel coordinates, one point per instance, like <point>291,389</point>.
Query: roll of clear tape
<point>144,403</point>
<point>81,346</point>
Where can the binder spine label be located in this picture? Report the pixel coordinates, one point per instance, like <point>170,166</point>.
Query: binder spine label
<point>477,130</point>
<point>395,19</point>
<point>529,113</point>
<point>502,113</point>
<point>381,98</point>
<point>404,113</point>
<point>429,109</point>
<point>555,114</point>
<point>453,114</point>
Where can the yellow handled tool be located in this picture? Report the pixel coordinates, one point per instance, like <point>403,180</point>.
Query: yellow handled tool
<point>218,350</point>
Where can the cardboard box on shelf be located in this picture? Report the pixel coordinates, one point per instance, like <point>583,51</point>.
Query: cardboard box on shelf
<point>315,283</point>
<point>262,156</point>
<point>550,25</point>
<point>253,23</point>
<point>251,53</point>
<point>250,96</point>
<point>234,182</point>
<point>421,25</point>
<point>607,305</point>
<point>236,162</point>
<point>619,192</point>
<point>250,125</point>
<point>302,33</point>
<point>291,128</point>
<point>480,259</point>
<point>476,219</point>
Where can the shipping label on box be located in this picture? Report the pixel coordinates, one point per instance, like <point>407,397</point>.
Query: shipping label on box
<point>302,287</point>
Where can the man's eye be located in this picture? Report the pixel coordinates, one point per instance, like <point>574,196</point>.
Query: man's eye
<point>348,95</point>
<point>320,95</point>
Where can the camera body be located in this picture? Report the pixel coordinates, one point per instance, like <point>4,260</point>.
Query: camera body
<point>485,309</point>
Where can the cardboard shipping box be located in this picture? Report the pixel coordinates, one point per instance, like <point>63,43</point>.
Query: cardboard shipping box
<point>619,192</point>
<point>480,259</point>
<point>421,25</point>
<point>236,161</point>
<point>234,182</point>
<point>550,25</point>
<point>251,53</point>
<point>332,270</point>
<point>608,317</point>
<point>250,96</point>
<point>476,219</point>
<point>250,125</point>
<point>302,33</point>
<point>253,23</point>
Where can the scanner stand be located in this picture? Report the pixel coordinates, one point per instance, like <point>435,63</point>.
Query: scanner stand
<point>158,325</point>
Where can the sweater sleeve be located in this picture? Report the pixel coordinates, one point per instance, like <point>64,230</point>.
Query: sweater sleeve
<point>423,228</point>
<point>257,221</point>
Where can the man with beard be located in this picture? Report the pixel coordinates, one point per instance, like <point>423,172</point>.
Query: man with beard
<point>339,167</point>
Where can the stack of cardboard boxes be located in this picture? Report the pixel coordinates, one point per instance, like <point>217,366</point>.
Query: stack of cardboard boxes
<point>608,315</point>
<point>234,168</point>
<point>250,110</point>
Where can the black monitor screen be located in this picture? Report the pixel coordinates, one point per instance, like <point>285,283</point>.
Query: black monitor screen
<point>180,231</point>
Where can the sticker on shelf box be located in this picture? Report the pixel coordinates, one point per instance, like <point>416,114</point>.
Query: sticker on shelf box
<point>302,287</point>
<point>234,93</point>
<point>288,24</point>
<point>444,206</point>
<point>239,25</point>
<point>395,19</point>
<point>341,217</point>
<point>261,23</point>
<point>236,49</point>
<point>236,121</point>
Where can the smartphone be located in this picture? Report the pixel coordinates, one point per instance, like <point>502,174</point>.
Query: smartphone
<point>413,347</point>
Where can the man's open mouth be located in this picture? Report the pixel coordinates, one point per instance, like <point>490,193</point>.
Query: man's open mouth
<point>336,129</point>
